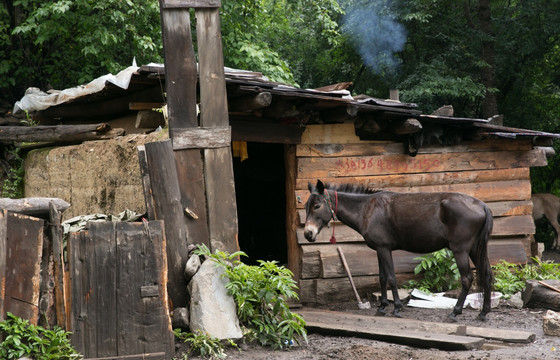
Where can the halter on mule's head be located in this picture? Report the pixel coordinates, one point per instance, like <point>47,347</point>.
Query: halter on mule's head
<point>319,210</point>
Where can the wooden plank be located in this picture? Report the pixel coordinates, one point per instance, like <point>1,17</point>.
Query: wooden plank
<point>513,225</point>
<point>220,197</point>
<point>202,138</point>
<point>310,262</point>
<point>402,324</point>
<point>141,262</point>
<point>168,207</point>
<point>422,163</point>
<point>3,256</point>
<point>82,338</point>
<point>102,310</point>
<point>146,182</point>
<point>291,214</point>
<point>148,356</point>
<point>488,192</point>
<point>364,148</point>
<point>180,68</point>
<point>218,166</point>
<point>511,250</point>
<point>58,265</point>
<point>35,206</point>
<point>213,96</point>
<point>57,133</point>
<point>498,209</point>
<point>423,179</point>
<point>192,188</point>
<point>24,248</point>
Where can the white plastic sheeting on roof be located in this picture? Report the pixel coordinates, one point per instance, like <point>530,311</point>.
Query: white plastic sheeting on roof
<point>35,99</point>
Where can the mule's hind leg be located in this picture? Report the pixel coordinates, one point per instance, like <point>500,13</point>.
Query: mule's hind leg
<point>463,265</point>
<point>387,274</point>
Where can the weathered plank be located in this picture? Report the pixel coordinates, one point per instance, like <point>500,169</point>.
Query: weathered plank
<point>57,133</point>
<point>488,191</point>
<point>424,179</point>
<point>513,225</point>
<point>202,138</point>
<point>142,262</point>
<point>291,213</point>
<point>192,188</point>
<point>110,263</point>
<point>35,206</point>
<point>332,318</point>
<point>24,247</point>
<point>422,163</point>
<point>168,207</point>
<point>146,182</point>
<point>218,167</point>
<point>180,68</point>
<point>320,261</point>
<point>365,148</point>
<point>58,265</point>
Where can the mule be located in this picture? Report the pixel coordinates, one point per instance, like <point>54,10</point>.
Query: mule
<point>548,206</point>
<point>415,222</point>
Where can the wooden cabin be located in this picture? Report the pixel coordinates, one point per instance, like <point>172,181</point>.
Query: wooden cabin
<point>284,137</point>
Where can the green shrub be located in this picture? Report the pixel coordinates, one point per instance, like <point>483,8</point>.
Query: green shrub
<point>511,278</point>
<point>202,344</point>
<point>439,270</point>
<point>24,339</point>
<point>261,294</point>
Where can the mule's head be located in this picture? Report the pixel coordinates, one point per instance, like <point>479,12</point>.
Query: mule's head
<point>317,211</point>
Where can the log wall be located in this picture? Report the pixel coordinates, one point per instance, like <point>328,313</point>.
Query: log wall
<point>494,170</point>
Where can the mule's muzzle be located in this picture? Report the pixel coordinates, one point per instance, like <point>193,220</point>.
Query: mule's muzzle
<point>310,234</point>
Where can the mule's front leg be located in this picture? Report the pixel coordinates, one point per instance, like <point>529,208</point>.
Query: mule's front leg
<point>387,274</point>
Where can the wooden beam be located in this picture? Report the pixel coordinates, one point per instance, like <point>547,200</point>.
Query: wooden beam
<point>58,264</point>
<point>34,206</point>
<point>168,207</point>
<point>57,133</point>
<point>180,68</point>
<point>202,138</point>
<point>265,132</point>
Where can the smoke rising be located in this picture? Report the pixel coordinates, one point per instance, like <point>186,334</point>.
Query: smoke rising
<point>375,34</point>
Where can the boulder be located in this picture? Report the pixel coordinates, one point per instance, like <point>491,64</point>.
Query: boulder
<point>192,266</point>
<point>551,323</point>
<point>212,310</point>
<point>180,318</point>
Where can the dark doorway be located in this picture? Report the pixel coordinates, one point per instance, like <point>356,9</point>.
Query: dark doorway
<point>261,203</point>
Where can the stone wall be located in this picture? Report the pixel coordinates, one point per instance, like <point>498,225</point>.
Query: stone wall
<point>94,177</point>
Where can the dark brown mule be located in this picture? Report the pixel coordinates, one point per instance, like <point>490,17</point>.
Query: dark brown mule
<point>416,222</point>
<point>548,205</point>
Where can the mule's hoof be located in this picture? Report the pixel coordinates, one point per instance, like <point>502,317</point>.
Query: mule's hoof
<point>381,312</point>
<point>397,314</point>
<point>481,317</point>
<point>452,318</point>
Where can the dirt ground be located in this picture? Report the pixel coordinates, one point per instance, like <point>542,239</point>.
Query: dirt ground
<point>322,347</point>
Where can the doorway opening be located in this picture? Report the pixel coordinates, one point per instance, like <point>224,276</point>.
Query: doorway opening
<point>261,203</point>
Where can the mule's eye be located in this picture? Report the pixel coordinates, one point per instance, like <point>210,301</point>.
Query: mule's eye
<point>316,206</point>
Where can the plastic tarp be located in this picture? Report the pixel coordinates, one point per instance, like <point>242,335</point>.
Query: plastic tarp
<point>35,99</point>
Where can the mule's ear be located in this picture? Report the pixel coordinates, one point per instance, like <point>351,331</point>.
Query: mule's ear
<point>310,187</point>
<point>320,187</point>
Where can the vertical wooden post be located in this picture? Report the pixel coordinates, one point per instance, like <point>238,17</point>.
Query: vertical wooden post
<point>201,170</point>
<point>59,285</point>
<point>3,248</point>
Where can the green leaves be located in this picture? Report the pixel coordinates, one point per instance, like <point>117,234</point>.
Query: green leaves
<point>261,294</point>
<point>439,270</point>
<point>511,278</point>
<point>24,339</point>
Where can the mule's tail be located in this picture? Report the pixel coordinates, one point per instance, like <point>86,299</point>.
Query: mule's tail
<point>485,277</point>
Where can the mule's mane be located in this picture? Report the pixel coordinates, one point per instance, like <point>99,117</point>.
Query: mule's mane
<point>352,188</point>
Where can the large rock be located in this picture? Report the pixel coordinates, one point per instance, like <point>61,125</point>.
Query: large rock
<point>551,323</point>
<point>212,310</point>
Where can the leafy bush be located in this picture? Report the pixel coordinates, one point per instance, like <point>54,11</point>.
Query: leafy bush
<point>24,339</point>
<point>202,344</point>
<point>261,294</point>
<point>511,278</point>
<point>440,272</point>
